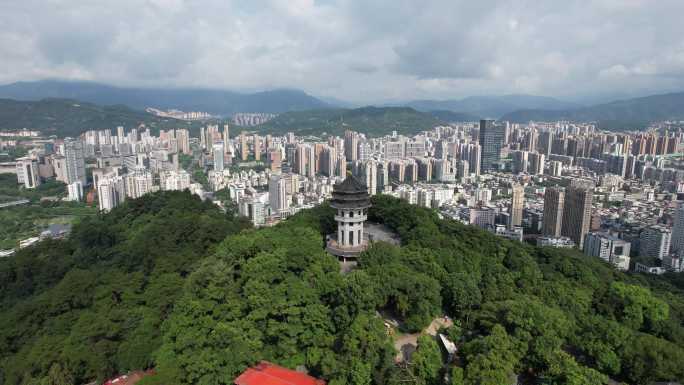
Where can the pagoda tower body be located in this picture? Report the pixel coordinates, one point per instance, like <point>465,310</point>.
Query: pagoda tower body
<point>352,201</point>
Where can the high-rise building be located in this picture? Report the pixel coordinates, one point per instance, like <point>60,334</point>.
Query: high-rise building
<point>472,153</point>
<point>536,163</point>
<point>654,241</point>
<point>275,159</point>
<point>678,231</point>
<point>301,159</point>
<point>554,200</point>
<point>363,151</point>
<point>520,162</point>
<point>277,194</point>
<point>351,143</point>
<point>218,152</point>
<point>394,150</point>
<point>367,172</point>
<point>311,161</point>
<point>462,169</point>
<point>75,191</point>
<point>492,137</point>
<point>226,134</point>
<point>111,191</point>
<point>341,167</point>
<point>556,168</point>
<point>415,148</point>
<point>75,161</point>
<point>183,139</point>
<point>174,180</point>
<point>383,183</point>
<point>120,132</point>
<point>616,164</point>
<point>425,169</point>
<point>27,172</point>
<point>577,213</point>
<point>244,147</point>
<point>203,138</point>
<point>257,146</point>
<point>544,142</point>
<point>517,202</point>
<point>329,161</point>
<point>138,183</point>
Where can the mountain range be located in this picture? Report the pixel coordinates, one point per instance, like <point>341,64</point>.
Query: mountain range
<point>215,102</point>
<point>225,102</point>
<point>491,106</point>
<point>303,113</point>
<point>628,113</point>
<point>64,117</point>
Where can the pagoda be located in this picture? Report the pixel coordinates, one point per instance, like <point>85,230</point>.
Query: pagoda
<point>351,200</point>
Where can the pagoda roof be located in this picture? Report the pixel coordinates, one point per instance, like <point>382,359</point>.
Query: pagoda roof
<point>350,185</point>
<point>350,194</point>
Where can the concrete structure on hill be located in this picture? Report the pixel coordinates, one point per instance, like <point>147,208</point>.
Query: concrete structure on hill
<point>351,200</point>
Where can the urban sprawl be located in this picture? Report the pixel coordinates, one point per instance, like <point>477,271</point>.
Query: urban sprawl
<point>560,184</point>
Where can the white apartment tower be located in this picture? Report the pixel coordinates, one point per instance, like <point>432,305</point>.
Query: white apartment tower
<point>75,161</point>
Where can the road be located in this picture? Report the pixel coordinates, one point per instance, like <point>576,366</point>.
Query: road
<point>406,344</point>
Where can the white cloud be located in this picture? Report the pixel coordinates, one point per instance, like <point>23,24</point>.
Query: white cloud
<point>351,49</point>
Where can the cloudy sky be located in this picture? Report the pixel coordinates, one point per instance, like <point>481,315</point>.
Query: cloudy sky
<point>358,50</point>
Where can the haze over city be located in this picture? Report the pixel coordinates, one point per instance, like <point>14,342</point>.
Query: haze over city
<point>357,51</point>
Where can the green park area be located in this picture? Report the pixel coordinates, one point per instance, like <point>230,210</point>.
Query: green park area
<point>44,207</point>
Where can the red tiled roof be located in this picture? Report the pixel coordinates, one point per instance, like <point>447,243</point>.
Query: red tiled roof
<point>266,373</point>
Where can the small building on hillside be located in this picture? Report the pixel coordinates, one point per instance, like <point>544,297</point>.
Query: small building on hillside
<point>351,200</point>
<point>266,373</point>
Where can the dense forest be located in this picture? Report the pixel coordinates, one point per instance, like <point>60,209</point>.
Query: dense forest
<point>92,306</point>
<point>170,282</point>
<point>374,121</point>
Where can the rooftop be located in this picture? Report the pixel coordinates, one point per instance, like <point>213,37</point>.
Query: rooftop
<point>266,373</point>
<point>350,194</point>
<point>350,185</point>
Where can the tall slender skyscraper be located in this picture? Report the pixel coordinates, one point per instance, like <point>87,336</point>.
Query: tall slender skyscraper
<point>492,138</point>
<point>75,161</point>
<point>183,138</point>
<point>577,213</point>
<point>218,155</point>
<point>678,231</point>
<point>554,200</point>
<point>517,202</point>
<point>257,147</point>
<point>351,143</point>
<point>244,147</point>
<point>277,194</point>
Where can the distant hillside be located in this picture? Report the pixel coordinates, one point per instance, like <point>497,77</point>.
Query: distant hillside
<point>217,102</point>
<point>628,113</point>
<point>63,117</point>
<point>450,116</point>
<point>491,106</point>
<point>373,121</point>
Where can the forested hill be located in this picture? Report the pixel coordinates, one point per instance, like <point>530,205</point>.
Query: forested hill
<point>156,283</point>
<point>373,121</point>
<point>85,308</point>
<point>64,117</point>
<point>214,101</point>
